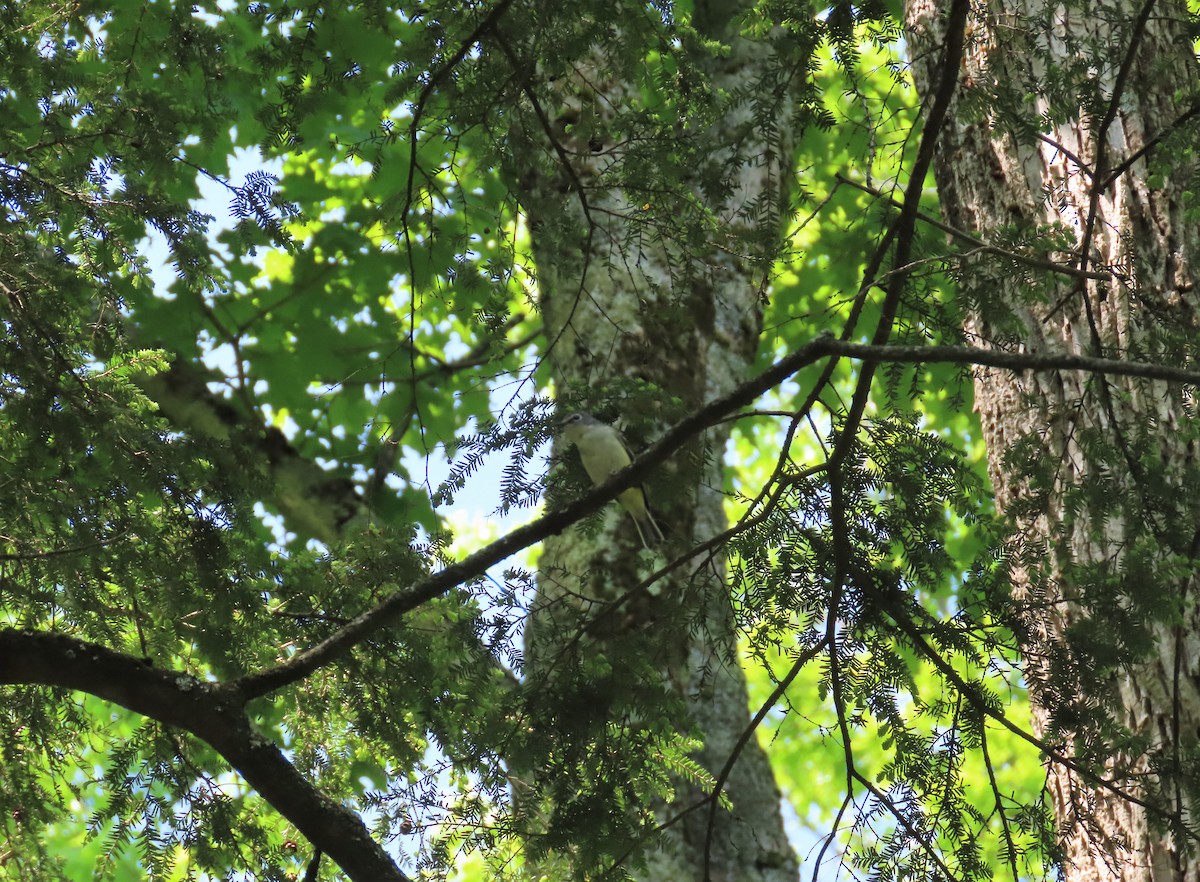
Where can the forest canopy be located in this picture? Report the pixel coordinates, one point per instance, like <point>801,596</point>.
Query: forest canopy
<point>300,578</point>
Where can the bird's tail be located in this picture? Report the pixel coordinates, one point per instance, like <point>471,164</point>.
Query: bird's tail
<point>648,530</point>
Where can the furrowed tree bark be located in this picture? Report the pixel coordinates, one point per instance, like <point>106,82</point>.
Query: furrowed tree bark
<point>1097,473</point>
<point>623,302</point>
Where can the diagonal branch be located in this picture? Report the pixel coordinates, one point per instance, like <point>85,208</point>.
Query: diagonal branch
<point>980,245</point>
<point>392,608</point>
<point>1100,163</point>
<point>780,688</point>
<point>212,712</point>
<point>975,697</point>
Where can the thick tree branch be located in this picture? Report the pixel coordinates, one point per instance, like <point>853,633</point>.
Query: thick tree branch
<point>1018,362</point>
<point>313,501</point>
<point>212,712</point>
<point>553,522</point>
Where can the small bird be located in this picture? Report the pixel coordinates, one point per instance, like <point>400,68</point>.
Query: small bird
<point>604,454</point>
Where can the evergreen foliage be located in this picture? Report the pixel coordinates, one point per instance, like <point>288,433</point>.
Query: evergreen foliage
<point>211,475</point>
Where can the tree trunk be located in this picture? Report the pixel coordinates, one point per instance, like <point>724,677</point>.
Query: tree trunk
<point>1055,103</point>
<point>625,303</point>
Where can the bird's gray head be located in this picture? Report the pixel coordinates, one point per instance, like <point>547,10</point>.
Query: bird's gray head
<point>579,420</point>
